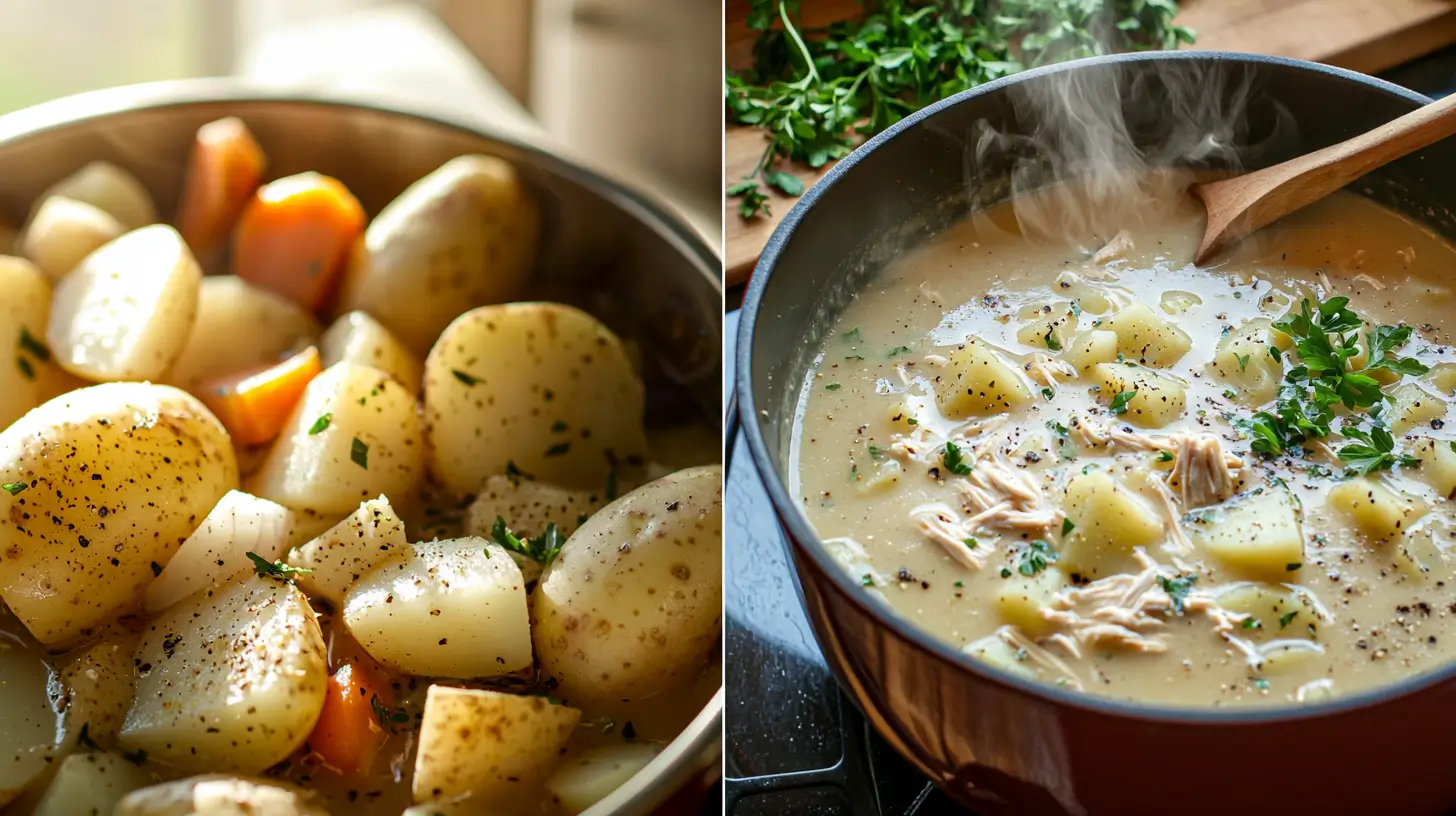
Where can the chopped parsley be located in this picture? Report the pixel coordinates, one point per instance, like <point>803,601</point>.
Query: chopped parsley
<point>833,387</point>
<point>1178,589</point>
<point>1065,447</point>
<point>1165,456</point>
<point>85,738</point>
<point>1243,361</point>
<point>1035,557</point>
<point>1068,526</point>
<point>559,449</point>
<point>1048,394</point>
<point>1261,684</point>
<point>14,488</point>
<point>464,377</point>
<point>898,350</point>
<point>1251,623</point>
<point>26,370</point>
<point>1051,340</point>
<point>359,453</point>
<point>867,580</point>
<point>877,453</point>
<point>36,348</point>
<point>1284,620</point>
<point>156,569</point>
<point>321,424</point>
<point>853,335</point>
<point>389,718</point>
<point>543,549</point>
<point>1374,451</point>
<point>1120,401</point>
<point>971,543</point>
<point>952,460</point>
<point>274,569</point>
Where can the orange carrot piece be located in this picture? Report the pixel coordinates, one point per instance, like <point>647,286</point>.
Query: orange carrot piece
<point>349,732</point>
<point>224,168</point>
<point>295,236</point>
<point>253,406</point>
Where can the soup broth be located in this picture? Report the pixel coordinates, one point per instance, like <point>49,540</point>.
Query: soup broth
<point>1089,461</point>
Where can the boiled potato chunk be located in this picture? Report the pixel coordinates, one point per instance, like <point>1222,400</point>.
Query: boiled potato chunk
<point>453,608</point>
<point>1265,603</point>
<point>1442,377</point>
<point>25,310</point>
<point>217,552</point>
<point>1438,465</point>
<point>1414,406</point>
<point>589,777</point>
<point>978,382</point>
<point>98,686</point>
<point>126,311</point>
<point>1418,555</point>
<point>528,507</point>
<point>1022,600</point>
<point>901,416</point>
<point>993,650</point>
<point>231,679</point>
<point>124,472</point>
<point>1146,337</point>
<point>1375,510</point>
<point>365,539</point>
<point>91,784</point>
<point>28,723</point>
<point>109,188</point>
<point>64,231</point>
<point>494,747</point>
<point>239,326</point>
<point>1257,533</point>
<point>220,795</point>
<point>543,385</point>
<point>1243,361</point>
<point>358,338</point>
<point>1111,522</point>
<point>463,236</point>
<point>632,605</point>
<point>1049,327</point>
<point>1158,399</point>
<point>1087,349</point>
<point>353,435</point>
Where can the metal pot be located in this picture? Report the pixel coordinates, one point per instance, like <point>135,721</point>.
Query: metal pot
<point>605,247</point>
<point>995,742</point>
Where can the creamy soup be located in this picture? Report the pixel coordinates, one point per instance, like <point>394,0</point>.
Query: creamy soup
<point>1089,461</point>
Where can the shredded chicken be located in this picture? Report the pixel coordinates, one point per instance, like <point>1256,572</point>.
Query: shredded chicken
<point>1000,495</point>
<point>1095,434</point>
<point>1044,369</point>
<point>1323,686</point>
<point>1178,543</point>
<point>1038,655</point>
<point>1325,282</point>
<point>921,441</point>
<point>1408,254</point>
<point>1200,471</point>
<point>1120,245</point>
<point>945,527</point>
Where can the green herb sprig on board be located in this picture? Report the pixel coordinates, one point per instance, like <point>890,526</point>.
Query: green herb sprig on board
<point>816,92</point>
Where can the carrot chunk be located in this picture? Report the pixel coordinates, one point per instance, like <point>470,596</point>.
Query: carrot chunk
<point>223,170</point>
<point>253,406</point>
<point>358,712</point>
<point>295,236</point>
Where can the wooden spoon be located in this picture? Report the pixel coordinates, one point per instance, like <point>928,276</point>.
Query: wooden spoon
<point>1242,204</point>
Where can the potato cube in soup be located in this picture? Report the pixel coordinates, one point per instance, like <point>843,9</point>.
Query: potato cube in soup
<point>1139,395</point>
<point>1243,361</point>
<point>1086,349</point>
<point>358,338</point>
<point>239,327</point>
<point>221,795</point>
<point>24,314</point>
<point>125,472</point>
<point>979,382</point>
<point>1378,512</point>
<point>1111,521</point>
<point>1437,465</point>
<point>454,608</point>
<point>100,682</point>
<point>1414,407</point>
<point>354,435</point>
<point>126,311</point>
<point>995,651</point>
<point>1266,603</point>
<point>109,188</point>
<point>1049,328</point>
<point>63,232</point>
<point>1442,377</point>
<point>1257,533</point>
<point>582,780</point>
<point>29,724</point>
<point>463,236</point>
<point>216,552</point>
<point>493,747</point>
<point>541,385</point>
<point>1144,336</point>
<point>231,679</point>
<point>91,783</point>
<point>1021,601</point>
<point>342,555</point>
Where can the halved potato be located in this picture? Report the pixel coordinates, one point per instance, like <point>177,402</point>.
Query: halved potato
<point>358,338</point>
<point>98,684</point>
<point>64,231</point>
<point>25,310</point>
<point>494,747</point>
<point>541,385</point>
<point>1438,465</point>
<point>216,552</point>
<point>633,604</point>
<point>354,435</point>
<point>108,187</point>
<point>124,313</point>
<point>231,679</point>
<point>978,382</point>
<point>239,327</point>
<point>582,780</point>
<point>91,784</point>
<point>103,485</point>
<point>368,537</point>
<point>29,724</point>
<point>220,795</point>
<point>994,651</point>
<point>463,236</point>
<point>453,608</point>
<point>1048,326</point>
<point>1257,533</point>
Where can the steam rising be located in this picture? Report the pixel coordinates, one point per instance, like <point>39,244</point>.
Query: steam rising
<point>1105,128</point>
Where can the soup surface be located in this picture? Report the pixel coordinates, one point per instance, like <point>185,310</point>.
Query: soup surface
<point>1086,460</point>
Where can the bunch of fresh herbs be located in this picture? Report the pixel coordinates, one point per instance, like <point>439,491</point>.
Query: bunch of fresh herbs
<point>817,92</point>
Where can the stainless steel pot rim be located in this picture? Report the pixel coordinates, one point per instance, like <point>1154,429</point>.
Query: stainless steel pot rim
<point>699,745</point>
<point>801,533</point>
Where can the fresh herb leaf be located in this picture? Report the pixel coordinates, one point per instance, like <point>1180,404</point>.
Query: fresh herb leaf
<point>389,718</point>
<point>788,183</point>
<point>468,379</point>
<point>14,488</point>
<point>1120,401</point>
<point>752,201</point>
<point>898,350</point>
<point>543,549</point>
<point>1243,361</point>
<point>1285,619</point>
<point>1035,557</point>
<point>1178,589</point>
<point>1165,456</point>
<point>156,569</point>
<point>832,387</point>
<point>1051,340</point>
<point>876,452</point>
<point>1374,451</point>
<point>971,543</point>
<point>1068,526</point>
<point>854,336</point>
<point>953,461</point>
<point>867,580</point>
<point>359,453</point>
<point>321,424</point>
<point>274,569</point>
<point>1251,623</point>
<point>559,449</point>
<point>1048,394</point>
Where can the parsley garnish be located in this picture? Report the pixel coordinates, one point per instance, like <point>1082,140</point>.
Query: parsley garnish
<point>389,718</point>
<point>156,569</point>
<point>1178,589</point>
<point>464,377</point>
<point>543,549</point>
<point>359,453</point>
<point>1243,361</point>
<point>971,543</point>
<point>853,335</point>
<point>1374,451</point>
<point>898,350</point>
<point>1120,401</point>
<point>1068,526</point>
<point>876,452</point>
<point>832,387</point>
<point>1251,623</point>
<point>1165,456</point>
<point>1035,557</point>
<point>867,580</point>
<point>26,370</point>
<point>275,569</point>
<point>952,460</point>
<point>14,488</point>
<point>1051,340</point>
<point>1285,619</point>
<point>321,424</point>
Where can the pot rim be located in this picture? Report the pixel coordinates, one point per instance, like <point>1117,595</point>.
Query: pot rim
<point>696,747</point>
<point>801,533</point>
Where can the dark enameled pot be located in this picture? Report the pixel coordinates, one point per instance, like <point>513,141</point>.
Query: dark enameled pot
<point>998,743</point>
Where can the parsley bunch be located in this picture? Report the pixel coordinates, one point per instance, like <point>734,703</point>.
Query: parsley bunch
<point>1326,338</point>
<point>817,92</point>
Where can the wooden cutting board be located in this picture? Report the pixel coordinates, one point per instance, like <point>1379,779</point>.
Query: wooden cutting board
<point>1363,35</point>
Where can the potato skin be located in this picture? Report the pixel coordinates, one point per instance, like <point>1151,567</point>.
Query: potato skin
<point>118,476</point>
<point>463,236</point>
<point>632,605</point>
<point>542,385</point>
